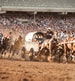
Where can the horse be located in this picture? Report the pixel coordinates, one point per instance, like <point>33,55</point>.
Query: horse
<point>59,52</point>
<point>48,48</point>
<point>17,46</point>
<point>43,54</point>
<point>56,50</point>
<point>53,46</point>
<point>69,49</point>
<point>4,46</point>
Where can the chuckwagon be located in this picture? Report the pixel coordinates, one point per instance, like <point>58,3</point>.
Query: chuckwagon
<point>33,40</point>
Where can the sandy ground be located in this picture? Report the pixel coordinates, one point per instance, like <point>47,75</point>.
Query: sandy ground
<point>12,70</point>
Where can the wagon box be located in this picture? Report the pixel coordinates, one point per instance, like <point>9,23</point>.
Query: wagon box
<point>34,45</point>
<point>32,40</point>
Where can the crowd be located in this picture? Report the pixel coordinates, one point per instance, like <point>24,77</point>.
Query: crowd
<point>23,22</point>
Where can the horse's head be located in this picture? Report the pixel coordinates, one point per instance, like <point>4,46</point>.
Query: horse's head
<point>54,41</point>
<point>20,37</point>
<point>6,40</point>
<point>60,46</point>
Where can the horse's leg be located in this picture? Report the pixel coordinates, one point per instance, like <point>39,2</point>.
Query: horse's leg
<point>10,48</point>
<point>2,52</point>
<point>68,58</point>
<point>59,58</point>
<point>12,53</point>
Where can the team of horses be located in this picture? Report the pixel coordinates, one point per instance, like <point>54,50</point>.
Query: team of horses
<point>48,48</point>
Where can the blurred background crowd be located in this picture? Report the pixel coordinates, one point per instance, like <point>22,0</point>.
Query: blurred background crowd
<point>20,23</point>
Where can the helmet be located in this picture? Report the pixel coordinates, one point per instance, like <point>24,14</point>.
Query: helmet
<point>49,28</point>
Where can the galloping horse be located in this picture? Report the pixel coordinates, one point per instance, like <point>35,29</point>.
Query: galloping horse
<point>17,46</point>
<point>53,46</point>
<point>4,46</point>
<point>68,48</point>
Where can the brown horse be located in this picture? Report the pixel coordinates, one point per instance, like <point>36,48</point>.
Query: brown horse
<point>56,50</point>
<point>49,47</point>
<point>69,49</point>
<point>17,46</point>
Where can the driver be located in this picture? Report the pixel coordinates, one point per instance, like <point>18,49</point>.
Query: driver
<point>49,33</point>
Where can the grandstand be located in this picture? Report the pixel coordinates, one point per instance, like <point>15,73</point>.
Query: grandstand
<point>38,5</point>
<point>30,16</point>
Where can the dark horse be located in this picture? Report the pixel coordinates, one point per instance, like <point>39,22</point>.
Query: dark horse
<point>44,52</point>
<point>53,46</point>
<point>4,45</point>
<point>57,50</point>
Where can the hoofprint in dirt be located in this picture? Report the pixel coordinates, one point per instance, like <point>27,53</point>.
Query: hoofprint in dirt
<point>12,70</point>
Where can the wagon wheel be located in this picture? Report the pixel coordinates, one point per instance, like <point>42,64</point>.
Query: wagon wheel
<point>31,52</point>
<point>38,37</point>
<point>44,53</point>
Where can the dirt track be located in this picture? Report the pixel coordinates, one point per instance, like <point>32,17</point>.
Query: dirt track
<point>11,70</point>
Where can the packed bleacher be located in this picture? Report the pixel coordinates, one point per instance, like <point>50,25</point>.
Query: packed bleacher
<point>23,22</point>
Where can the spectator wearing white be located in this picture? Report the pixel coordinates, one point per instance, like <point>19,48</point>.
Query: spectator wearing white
<point>65,35</point>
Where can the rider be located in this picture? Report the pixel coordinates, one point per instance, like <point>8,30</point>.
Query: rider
<point>49,33</point>
<point>9,35</point>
